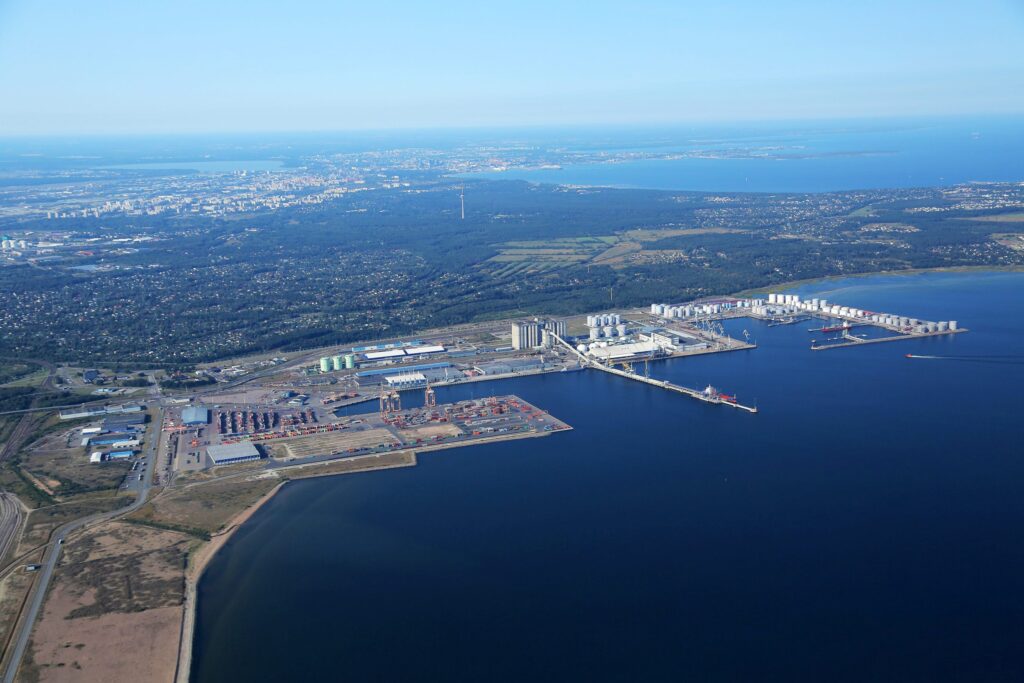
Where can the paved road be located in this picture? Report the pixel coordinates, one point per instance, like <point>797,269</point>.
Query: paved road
<point>52,554</point>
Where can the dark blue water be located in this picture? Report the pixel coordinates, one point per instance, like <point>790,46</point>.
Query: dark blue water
<point>815,159</point>
<point>865,525</point>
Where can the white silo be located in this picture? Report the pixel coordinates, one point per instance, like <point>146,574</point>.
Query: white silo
<point>609,331</point>
<point>620,329</point>
<point>952,324</point>
<point>595,332</point>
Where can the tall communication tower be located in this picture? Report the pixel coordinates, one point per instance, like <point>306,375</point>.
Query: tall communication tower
<point>462,201</point>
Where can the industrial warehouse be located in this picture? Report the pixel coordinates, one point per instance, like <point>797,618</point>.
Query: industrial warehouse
<point>303,411</point>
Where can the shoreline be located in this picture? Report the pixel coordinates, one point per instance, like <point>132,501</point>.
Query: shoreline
<point>206,552</point>
<point>203,555</point>
<point>793,284</point>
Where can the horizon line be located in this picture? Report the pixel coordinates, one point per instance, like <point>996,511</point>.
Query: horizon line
<point>515,127</point>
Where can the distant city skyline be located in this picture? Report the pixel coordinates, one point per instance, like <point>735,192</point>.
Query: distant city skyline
<point>191,67</point>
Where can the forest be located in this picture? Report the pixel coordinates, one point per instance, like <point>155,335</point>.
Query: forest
<point>390,262</point>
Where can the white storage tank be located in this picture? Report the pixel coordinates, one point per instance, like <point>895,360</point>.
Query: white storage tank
<point>952,324</point>
<point>595,332</point>
<point>609,331</point>
<point>620,329</point>
<point>582,348</point>
<point>943,326</point>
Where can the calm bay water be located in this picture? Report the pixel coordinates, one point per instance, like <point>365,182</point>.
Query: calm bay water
<point>865,525</point>
<point>822,159</point>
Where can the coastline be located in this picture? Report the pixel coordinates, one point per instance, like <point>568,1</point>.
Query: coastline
<point>194,573</point>
<point>793,284</point>
<point>205,553</point>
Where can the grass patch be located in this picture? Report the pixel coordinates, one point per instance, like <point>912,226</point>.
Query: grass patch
<point>1015,217</point>
<point>203,507</point>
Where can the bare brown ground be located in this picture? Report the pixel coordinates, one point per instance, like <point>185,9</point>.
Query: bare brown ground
<point>335,442</point>
<point>430,431</point>
<point>141,646</point>
<point>114,610</point>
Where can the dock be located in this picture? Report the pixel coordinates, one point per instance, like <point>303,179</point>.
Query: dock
<point>709,395</point>
<point>857,341</point>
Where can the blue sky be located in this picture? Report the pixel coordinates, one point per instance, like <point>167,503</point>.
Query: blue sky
<point>226,65</point>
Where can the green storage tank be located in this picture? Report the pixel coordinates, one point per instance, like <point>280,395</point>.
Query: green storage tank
<point>350,360</point>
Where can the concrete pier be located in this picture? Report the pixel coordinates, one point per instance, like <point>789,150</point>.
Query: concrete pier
<point>708,395</point>
<point>856,341</point>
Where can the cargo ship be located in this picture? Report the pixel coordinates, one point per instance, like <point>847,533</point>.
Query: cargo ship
<point>833,328</point>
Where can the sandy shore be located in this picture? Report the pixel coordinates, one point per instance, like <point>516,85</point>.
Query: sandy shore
<point>205,554</point>
<point>199,561</point>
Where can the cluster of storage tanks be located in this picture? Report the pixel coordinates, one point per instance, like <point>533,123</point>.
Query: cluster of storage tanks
<point>331,363</point>
<point>691,310</point>
<point>607,325</point>
<point>784,304</point>
<point>6,244</point>
<point>791,303</point>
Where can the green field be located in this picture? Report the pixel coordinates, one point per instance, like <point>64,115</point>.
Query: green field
<point>540,256</point>
<point>15,373</point>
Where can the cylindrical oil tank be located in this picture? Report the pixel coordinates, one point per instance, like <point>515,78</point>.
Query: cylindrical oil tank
<point>350,360</point>
<point>620,329</point>
<point>952,325</point>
